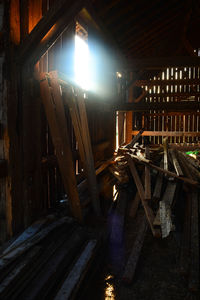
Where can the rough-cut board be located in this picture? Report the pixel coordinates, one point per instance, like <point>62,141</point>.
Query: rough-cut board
<point>168,173</point>
<point>75,275</point>
<point>135,253</point>
<point>88,152</point>
<point>54,109</point>
<point>165,208</point>
<point>176,164</point>
<point>148,211</point>
<point>135,139</point>
<point>167,133</point>
<point>158,185</point>
<point>11,256</point>
<point>165,146</point>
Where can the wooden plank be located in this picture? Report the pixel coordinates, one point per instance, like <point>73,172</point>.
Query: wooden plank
<point>147,176</point>
<point>165,208</point>
<point>162,83</point>
<point>166,133</point>
<point>135,139</point>
<point>28,233</point>
<point>135,253</point>
<point>165,147</point>
<point>11,256</point>
<point>148,211</point>
<point>194,249</point>
<point>54,110</point>
<point>158,185</point>
<point>169,173</point>
<point>176,164</point>
<point>88,153</point>
<point>44,283</point>
<point>75,276</point>
<point>134,206</point>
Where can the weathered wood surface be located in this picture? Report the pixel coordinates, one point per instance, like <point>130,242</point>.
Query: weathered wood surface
<point>47,277</point>
<point>168,173</point>
<point>12,255</point>
<point>88,152</point>
<point>158,186</point>
<point>165,146</point>
<point>176,164</point>
<point>54,110</point>
<point>135,139</point>
<point>28,233</point>
<point>165,208</point>
<point>75,275</point>
<point>148,211</point>
<point>135,253</point>
<point>166,133</point>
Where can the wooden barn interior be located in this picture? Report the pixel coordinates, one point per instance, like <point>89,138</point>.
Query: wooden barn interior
<point>99,151</point>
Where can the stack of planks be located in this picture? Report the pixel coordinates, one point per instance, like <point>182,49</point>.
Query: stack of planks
<point>48,261</point>
<point>167,183</point>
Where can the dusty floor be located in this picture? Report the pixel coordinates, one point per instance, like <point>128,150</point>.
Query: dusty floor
<point>157,274</point>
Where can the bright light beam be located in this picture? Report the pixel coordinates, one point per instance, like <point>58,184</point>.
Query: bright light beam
<point>81,64</point>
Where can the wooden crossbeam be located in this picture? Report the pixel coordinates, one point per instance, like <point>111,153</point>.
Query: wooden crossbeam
<point>157,63</point>
<point>57,18</point>
<point>179,95</point>
<point>166,133</point>
<point>166,82</point>
<point>54,110</point>
<point>168,106</point>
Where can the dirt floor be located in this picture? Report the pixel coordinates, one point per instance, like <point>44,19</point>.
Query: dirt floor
<point>157,275</point>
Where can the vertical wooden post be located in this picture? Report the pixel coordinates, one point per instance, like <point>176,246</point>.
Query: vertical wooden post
<point>88,153</point>
<point>129,115</point>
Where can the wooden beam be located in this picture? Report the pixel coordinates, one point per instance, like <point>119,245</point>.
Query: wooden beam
<point>166,133</point>
<point>179,95</point>
<point>175,161</point>
<point>168,106</point>
<point>158,63</point>
<point>148,211</point>
<point>47,30</point>
<point>168,173</point>
<point>55,114</point>
<point>166,82</point>
<point>88,152</point>
<point>135,253</point>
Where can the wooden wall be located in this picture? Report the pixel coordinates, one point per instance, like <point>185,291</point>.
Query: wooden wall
<point>34,180</point>
<point>174,85</point>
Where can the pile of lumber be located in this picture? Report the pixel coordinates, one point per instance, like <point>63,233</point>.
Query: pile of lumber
<point>48,261</point>
<point>166,182</point>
